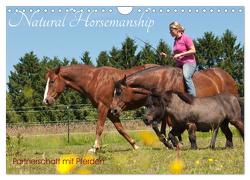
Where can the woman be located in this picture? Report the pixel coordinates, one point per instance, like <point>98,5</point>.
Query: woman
<point>184,51</point>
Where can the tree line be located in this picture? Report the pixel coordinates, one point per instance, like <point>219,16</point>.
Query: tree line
<point>27,81</point>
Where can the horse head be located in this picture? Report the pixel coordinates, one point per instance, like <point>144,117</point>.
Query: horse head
<point>155,108</point>
<point>120,97</point>
<point>54,86</point>
<point>125,95</point>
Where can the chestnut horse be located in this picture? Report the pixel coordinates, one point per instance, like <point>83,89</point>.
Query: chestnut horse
<point>95,83</point>
<point>133,89</point>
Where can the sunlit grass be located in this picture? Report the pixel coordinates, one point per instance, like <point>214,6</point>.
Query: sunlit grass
<point>120,158</point>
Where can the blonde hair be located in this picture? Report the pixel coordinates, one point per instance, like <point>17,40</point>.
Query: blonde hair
<point>176,25</point>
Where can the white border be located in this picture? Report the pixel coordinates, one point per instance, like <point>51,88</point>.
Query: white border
<point>5,3</point>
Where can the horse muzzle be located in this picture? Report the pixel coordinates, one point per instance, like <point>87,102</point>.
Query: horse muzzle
<point>146,122</point>
<point>115,112</point>
<point>49,101</point>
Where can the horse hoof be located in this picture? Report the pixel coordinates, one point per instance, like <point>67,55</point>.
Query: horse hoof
<point>92,150</point>
<point>180,145</point>
<point>212,147</point>
<point>162,138</point>
<point>194,147</point>
<point>229,144</point>
<point>136,147</point>
<point>168,145</point>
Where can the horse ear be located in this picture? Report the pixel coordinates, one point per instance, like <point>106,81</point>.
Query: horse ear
<point>48,72</point>
<point>57,70</point>
<point>123,81</point>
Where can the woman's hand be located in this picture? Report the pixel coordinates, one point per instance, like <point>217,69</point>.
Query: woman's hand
<point>177,56</point>
<point>163,54</point>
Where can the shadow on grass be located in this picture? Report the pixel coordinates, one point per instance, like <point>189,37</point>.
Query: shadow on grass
<point>205,148</point>
<point>189,148</point>
<point>116,150</point>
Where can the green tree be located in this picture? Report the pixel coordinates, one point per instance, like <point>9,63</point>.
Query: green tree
<point>23,84</point>
<point>103,59</point>
<point>74,61</point>
<point>86,58</point>
<point>128,53</point>
<point>208,50</point>
<point>11,115</point>
<point>163,47</point>
<point>115,58</point>
<point>233,58</point>
<point>146,55</point>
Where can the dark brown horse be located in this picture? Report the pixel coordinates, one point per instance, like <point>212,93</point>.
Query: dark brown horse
<point>95,83</point>
<point>132,89</point>
<point>196,114</point>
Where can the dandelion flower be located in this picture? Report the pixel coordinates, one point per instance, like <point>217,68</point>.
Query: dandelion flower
<point>84,171</point>
<point>210,160</point>
<point>66,164</point>
<point>148,138</point>
<point>176,166</point>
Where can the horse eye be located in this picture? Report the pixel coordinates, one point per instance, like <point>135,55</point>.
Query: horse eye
<point>52,81</point>
<point>118,92</point>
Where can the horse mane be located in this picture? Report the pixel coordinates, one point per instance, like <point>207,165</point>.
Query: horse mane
<point>77,66</point>
<point>154,97</point>
<point>146,70</point>
<point>188,98</point>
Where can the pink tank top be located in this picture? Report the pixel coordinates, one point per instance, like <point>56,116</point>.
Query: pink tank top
<point>183,44</point>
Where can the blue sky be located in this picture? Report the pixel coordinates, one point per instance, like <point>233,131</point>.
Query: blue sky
<point>70,42</point>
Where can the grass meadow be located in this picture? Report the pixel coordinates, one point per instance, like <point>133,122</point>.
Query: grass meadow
<point>118,157</point>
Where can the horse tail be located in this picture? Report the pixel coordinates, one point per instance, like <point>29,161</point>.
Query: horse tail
<point>241,102</point>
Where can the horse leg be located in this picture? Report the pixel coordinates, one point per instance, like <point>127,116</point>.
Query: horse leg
<point>163,129</point>
<point>102,114</point>
<point>118,125</point>
<point>161,136</point>
<point>171,136</point>
<point>163,126</point>
<point>229,136</point>
<point>192,137</point>
<point>213,140</point>
<point>180,140</point>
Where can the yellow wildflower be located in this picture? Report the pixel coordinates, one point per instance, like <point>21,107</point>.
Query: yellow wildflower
<point>148,138</point>
<point>176,166</point>
<point>210,160</point>
<point>66,164</point>
<point>84,171</point>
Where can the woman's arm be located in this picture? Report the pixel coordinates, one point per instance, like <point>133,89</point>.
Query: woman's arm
<point>187,53</point>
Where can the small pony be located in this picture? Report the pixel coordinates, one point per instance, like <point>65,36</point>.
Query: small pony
<point>196,114</point>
